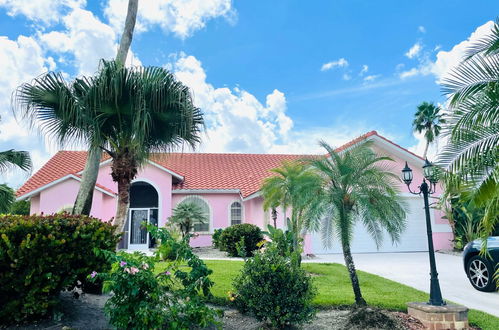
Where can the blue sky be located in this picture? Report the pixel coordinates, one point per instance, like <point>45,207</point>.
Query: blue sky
<point>271,76</point>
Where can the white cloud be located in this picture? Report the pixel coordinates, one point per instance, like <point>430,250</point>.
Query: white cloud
<point>87,39</point>
<point>364,70</point>
<point>46,11</point>
<point>180,17</point>
<point>235,120</point>
<point>20,61</point>
<point>340,63</point>
<point>414,50</point>
<point>346,76</point>
<point>409,73</point>
<point>421,29</point>
<point>447,60</point>
<point>371,77</point>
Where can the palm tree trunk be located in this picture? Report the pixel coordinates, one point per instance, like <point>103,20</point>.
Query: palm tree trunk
<point>123,170</point>
<point>126,37</point>
<point>426,149</point>
<point>83,203</point>
<point>274,216</point>
<point>347,255</point>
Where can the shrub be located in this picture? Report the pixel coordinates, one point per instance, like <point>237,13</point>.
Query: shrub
<point>280,239</point>
<point>241,238</point>
<point>215,238</point>
<point>171,299</point>
<point>42,255</point>
<point>275,289</point>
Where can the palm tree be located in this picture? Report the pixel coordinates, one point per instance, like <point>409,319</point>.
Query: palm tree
<point>83,203</point>
<point>471,156</point>
<point>185,215</point>
<point>10,159</point>
<point>428,120</point>
<point>357,186</point>
<point>293,186</point>
<point>129,113</point>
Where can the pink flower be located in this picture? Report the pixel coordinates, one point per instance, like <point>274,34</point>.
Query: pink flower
<point>93,274</point>
<point>127,270</point>
<point>134,270</point>
<point>168,273</point>
<point>122,263</point>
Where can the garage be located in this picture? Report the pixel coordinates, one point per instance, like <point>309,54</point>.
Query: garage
<point>412,239</point>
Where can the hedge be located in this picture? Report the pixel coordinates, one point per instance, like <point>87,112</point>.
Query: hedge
<point>240,240</point>
<point>42,255</point>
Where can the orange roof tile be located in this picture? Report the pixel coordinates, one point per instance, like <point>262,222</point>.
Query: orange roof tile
<point>244,172</point>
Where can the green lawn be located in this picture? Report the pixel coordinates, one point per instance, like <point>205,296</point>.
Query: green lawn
<point>334,289</point>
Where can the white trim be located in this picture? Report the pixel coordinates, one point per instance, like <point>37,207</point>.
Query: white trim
<point>206,191</point>
<point>210,223</point>
<point>158,191</point>
<point>178,176</point>
<point>53,183</point>
<point>253,195</point>
<point>397,150</point>
<point>229,211</point>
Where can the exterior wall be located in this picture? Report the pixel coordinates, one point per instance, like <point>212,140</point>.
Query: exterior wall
<point>442,231</point>
<point>34,205</point>
<point>219,213</point>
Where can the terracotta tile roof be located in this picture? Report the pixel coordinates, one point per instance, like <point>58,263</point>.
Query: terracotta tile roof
<point>244,172</point>
<point>223,171</point>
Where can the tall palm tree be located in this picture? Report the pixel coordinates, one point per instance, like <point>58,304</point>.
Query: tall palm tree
<point>83,203</point>
<point>472,153</point>
<point>185,215</point>
<point>429,120</point>
<point>357,186</point>
<point>8,160</point>
<point>294,186</point>
<point>127,112</point>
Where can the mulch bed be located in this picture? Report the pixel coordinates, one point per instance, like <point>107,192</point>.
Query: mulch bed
<point>87,313</point>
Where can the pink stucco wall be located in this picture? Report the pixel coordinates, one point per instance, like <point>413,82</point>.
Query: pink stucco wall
<point>54,198</point>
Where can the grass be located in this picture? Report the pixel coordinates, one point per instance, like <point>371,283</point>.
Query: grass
<point>334,289</point>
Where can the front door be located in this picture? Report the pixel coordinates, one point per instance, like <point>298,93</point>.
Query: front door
<point>139,239</point>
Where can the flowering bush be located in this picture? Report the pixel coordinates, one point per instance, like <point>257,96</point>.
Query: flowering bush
<point>42,255</point>
<point>148,298</point>
<point>274,288</point>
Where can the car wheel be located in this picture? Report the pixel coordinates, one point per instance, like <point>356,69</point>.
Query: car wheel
<point>481,273</point>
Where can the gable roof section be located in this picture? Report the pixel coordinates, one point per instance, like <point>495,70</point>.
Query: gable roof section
<point>199,171</point>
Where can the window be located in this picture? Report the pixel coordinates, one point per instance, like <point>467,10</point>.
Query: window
<point>200,227</point>
<point>236,213</point>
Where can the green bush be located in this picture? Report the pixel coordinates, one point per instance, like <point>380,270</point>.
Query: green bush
<point>171,299</point>
<point>275,289</point>
<point>42,255</point>
<point>240,240</point>
<point>215,238</point>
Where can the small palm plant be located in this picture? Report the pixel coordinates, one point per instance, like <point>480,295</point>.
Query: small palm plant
<point>357,186</point>
<point>10,159</point>
<point>429,120</point>
<point>293,185</point>
<point>185,215</point>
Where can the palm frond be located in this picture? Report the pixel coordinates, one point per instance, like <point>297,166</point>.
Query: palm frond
<point>10,159</point>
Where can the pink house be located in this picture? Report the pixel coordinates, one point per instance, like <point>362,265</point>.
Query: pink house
<point>225,185</point>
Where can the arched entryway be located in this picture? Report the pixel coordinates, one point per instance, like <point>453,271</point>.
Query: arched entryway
<point>144,207</point>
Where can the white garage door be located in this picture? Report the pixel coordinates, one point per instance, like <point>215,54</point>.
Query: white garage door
<point>412,239</point>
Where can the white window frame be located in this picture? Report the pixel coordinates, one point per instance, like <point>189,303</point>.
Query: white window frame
<point>229,222</point>
<point>210,216</point>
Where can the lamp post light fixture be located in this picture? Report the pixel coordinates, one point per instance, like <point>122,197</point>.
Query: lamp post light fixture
<point>430,174</point>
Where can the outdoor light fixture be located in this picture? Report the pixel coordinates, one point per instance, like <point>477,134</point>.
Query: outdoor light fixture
<point>430,174</point>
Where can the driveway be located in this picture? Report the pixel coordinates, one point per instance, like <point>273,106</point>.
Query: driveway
<point>413,269</point>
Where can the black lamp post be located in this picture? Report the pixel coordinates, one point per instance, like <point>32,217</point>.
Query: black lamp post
<point>427,189</point>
